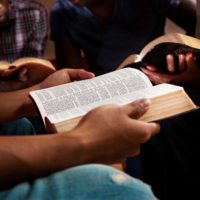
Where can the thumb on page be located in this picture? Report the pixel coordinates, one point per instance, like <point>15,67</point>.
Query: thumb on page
<point>137,108</point>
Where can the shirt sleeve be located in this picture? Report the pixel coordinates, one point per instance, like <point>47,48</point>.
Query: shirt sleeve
<point>58,23</point>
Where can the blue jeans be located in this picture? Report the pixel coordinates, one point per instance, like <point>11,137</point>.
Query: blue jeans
<point>18,127</point>
<point>87,182</point>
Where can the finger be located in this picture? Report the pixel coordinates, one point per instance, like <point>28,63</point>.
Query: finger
<point>182,64</point>
<point>154,128</point>
<point>153,76</point>
<point>146,70</point>
<point>85,74</point>
<point>137,108</point>
<point>79,74</point>
<point>145,129</point>
<point>149,128</point>
<point>151,68</point>
<point>170,63</point>
<point>190,60</point>
<point>134,152</point>
<point>23,74</point>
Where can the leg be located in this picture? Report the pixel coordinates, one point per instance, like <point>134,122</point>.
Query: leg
<point>85,183</point>
<point>37,124</point>
<point>133,166</point>
<point>170,159</point>
<point>18,127</point>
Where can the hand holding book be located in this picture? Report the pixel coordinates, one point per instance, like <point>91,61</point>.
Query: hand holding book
<point>172,58</point>
<point>63,106</point>
<point>23,72</point>
<point>189,72</point>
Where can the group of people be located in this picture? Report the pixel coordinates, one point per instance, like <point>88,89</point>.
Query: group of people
<point>106,32</point>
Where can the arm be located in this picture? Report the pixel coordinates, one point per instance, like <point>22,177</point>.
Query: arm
<point>17,104</point>
<point>67,54</point>
<point>185,16</point>
<point>25,158</point>
<point>7,85</point>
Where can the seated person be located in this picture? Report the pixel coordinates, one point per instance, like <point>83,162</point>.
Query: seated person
<point>109,31</point>
<point>23,27</point>
<point>174,153</point>
<point>29,163</point>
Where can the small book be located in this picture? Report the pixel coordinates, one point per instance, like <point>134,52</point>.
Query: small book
<point>37,69</point>
<point>154,53</point>
<point>61,107</point>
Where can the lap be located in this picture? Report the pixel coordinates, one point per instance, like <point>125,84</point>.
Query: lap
<point>170,159</point>
<point>82,182</point>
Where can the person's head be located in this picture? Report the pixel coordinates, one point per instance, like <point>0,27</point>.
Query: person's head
<point>3,11</point>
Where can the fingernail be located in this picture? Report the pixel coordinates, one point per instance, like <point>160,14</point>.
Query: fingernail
<point>144,103</point>
<point>169,56</point>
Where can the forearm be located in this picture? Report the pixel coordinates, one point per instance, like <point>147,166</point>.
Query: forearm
<point>16,104</point>
<point>68,55</point>
<point>28,157</point>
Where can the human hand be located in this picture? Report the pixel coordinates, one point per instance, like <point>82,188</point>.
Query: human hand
<point>65,76</point>
<point>15,81</point>
<point>15,78</point>
<point>187,73</point>
<point>110,133</point>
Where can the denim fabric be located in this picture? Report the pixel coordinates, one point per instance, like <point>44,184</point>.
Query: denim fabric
<point>18,127</point>
<point>37,124</point>
<point>86,182</point>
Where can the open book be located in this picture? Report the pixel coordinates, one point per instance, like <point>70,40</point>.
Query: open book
<point>37,69</point>
<point>154,53</point>
<point>61,107</point>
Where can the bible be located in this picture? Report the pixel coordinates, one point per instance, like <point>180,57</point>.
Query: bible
<point>62,107</point>
<point>37,69</point>
<point>154,53</point>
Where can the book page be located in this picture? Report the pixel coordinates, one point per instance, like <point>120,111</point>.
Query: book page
<point>73,99</point>
<point>149,92</point>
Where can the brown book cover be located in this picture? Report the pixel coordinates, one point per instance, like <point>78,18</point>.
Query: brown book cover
<point>37,69</point>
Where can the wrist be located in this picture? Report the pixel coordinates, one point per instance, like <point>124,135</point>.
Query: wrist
<point>72,150</point>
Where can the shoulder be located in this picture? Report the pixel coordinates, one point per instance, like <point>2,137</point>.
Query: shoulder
<point>64,5</point>
<point>28,14</point>
<point>67,9</point>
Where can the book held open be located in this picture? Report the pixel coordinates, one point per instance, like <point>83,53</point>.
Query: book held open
<point>62,107</point>
<point>154,53</point>
<point>37,69</point>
